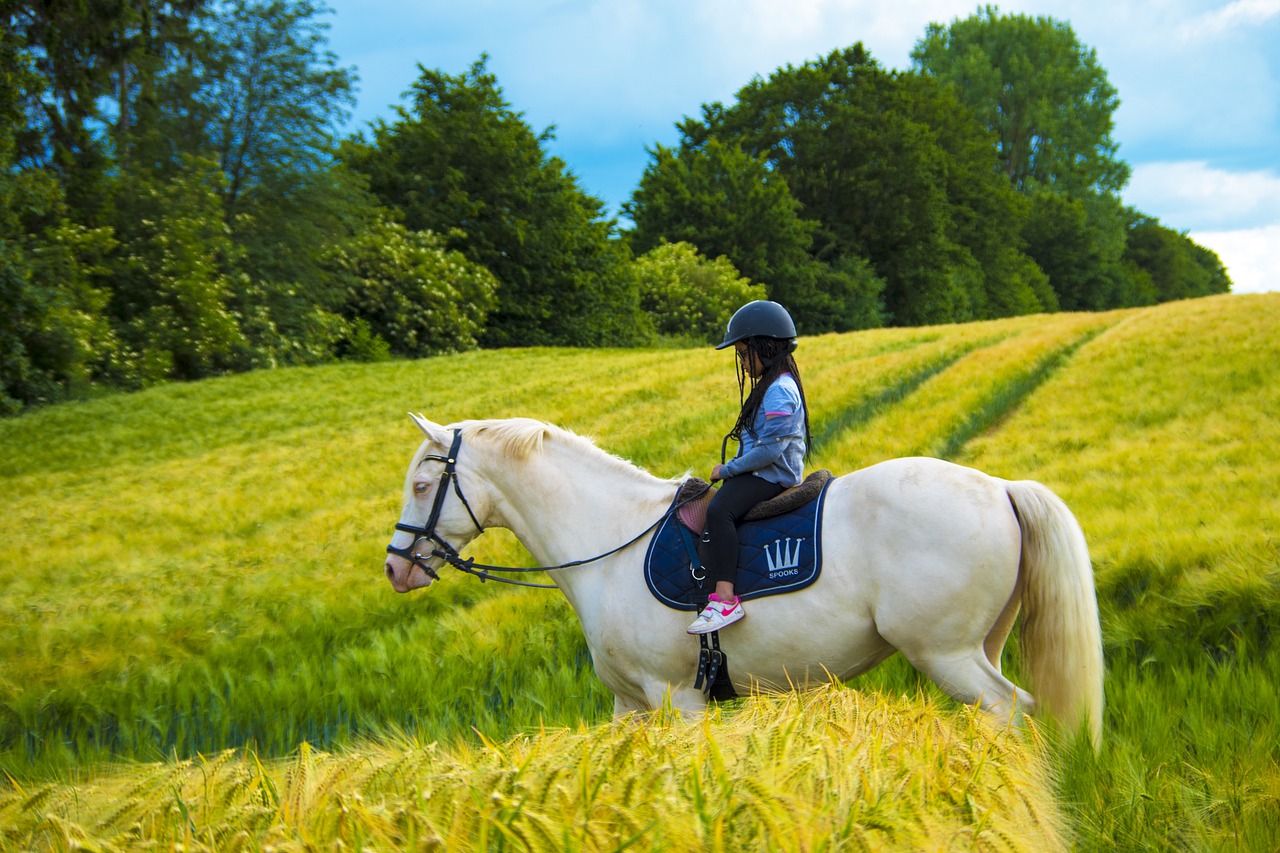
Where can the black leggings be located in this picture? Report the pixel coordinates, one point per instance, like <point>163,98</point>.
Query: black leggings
<point>734,499</point>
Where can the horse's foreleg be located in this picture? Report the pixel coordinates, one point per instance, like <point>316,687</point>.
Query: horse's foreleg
<point>662,696</point>
<point>689,702</point>
<point>623,705</point>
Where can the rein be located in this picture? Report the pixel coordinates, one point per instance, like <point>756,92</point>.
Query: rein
<point>450,555</point>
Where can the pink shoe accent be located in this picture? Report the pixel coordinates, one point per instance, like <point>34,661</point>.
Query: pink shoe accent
<point>726,607</point>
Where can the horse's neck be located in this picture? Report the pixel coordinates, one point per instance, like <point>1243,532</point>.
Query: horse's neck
<point>568,503</point>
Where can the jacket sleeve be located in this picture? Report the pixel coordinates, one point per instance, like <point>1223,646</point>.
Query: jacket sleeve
<point>783,422</point>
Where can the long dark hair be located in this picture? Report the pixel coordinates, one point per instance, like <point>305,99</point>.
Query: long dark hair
<point>774,355</point>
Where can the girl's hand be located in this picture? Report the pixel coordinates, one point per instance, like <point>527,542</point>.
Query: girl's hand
<point>715,473</point>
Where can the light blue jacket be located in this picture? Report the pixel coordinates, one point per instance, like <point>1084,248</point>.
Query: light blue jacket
<point>774,447</point>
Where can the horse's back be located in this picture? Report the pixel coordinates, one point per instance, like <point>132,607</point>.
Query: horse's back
<point>915,490</point>
<point>918,529</point>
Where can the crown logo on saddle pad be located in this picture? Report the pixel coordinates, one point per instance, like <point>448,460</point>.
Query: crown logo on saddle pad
<point>783,557</point>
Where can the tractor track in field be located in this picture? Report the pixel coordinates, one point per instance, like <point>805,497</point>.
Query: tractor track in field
<point>998,403</point>
<point>1005,398</point>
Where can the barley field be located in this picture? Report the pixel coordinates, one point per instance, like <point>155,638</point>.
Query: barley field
<point>200,650</point>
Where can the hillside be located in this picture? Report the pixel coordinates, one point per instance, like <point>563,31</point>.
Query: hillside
<point>196,568</point>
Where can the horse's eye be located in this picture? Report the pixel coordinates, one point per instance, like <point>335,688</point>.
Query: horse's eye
<point>420,488</point>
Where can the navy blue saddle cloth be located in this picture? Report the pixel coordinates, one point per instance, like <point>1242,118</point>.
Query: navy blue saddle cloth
<point>776,555</point>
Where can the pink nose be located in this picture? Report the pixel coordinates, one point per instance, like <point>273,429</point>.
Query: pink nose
<point>403,575</point>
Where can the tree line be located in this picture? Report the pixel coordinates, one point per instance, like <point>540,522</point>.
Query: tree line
<point>176,202</point>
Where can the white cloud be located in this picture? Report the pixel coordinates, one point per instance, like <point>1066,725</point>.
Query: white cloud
<point>1233,16</point>
<point>1251,256</point>
<point>603,69</point>
<point>1195,195</point>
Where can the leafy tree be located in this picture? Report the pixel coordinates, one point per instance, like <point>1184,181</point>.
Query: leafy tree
<point>1042,93</point>
<point>95,64</point>
<point>410,291</point>
<point>69,340</point>
<point>1079,243</point>
<point>19,190</point>
<point>726,203</point>
<point>460,162</point>
<point>173,285</point>
<point>984,211</point>
<point>849,292</point>
<point>287,295</point>
<point>880,163</point>
<point>1178,267</point>
<point>53,334</point>
<point>1215,278</point>
<point>1051,106</point>
<point>688,296</point>
<point>733,204</point>
<point>260,94</point>
<point>272,98</point>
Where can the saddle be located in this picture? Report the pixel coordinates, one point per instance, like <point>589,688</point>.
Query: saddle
<point>695,496</point>
<point>780,547</point>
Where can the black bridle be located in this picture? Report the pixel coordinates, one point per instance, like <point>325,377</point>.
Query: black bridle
<point>446,552</point>
<point>428,534</point>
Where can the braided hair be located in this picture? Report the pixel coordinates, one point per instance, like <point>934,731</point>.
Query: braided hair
<point>775,359</point>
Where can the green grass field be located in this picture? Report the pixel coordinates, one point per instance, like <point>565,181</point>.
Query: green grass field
<point>192,588</point>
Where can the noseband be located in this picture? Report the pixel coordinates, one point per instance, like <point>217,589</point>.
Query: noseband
<point>439,547</point>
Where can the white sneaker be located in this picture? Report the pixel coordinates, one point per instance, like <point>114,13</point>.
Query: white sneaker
<point>717,614</point>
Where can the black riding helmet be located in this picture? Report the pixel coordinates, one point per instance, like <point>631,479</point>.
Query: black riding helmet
<point>760,319</point>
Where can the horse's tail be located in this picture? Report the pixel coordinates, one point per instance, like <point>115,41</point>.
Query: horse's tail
<point>1061,638</point>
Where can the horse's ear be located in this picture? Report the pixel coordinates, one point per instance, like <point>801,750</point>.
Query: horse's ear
<point>435,432</point>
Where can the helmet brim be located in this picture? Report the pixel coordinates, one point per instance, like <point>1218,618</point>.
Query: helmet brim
<point>728,342</point>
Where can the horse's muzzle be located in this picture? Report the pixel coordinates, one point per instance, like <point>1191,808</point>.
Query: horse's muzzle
<point>406,575</point>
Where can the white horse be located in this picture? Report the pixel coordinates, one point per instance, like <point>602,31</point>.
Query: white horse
<point>921,556</point>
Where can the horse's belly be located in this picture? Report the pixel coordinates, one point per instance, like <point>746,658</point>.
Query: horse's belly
<point>784,659</point>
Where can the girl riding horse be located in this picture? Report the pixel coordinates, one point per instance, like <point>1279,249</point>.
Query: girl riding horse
<point>773,438</point>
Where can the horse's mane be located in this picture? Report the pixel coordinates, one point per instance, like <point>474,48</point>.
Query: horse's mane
<point>522,438</point>
<point>516,438</point>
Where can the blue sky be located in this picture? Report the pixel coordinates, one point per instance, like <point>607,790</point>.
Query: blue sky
<point>1199,82</point>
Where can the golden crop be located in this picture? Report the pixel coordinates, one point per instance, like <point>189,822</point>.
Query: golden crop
<point>191,580</point>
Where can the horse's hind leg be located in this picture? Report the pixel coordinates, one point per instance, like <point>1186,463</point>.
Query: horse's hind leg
<point>993,646</point>
<point>970,678</point>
